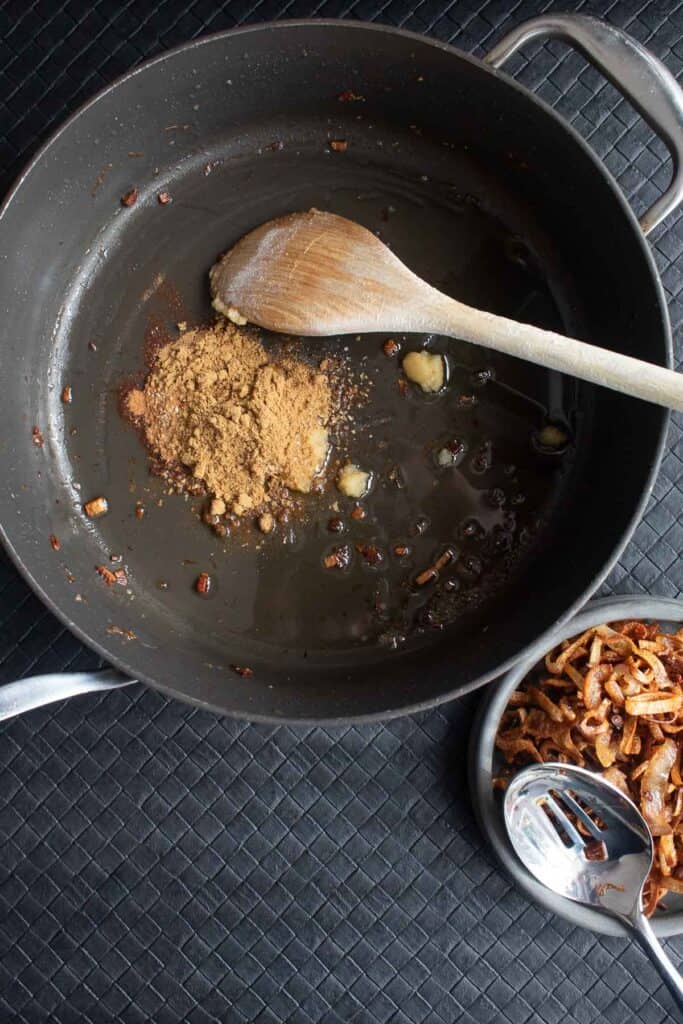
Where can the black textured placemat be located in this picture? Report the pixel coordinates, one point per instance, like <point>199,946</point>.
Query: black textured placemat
<point>161,864</point>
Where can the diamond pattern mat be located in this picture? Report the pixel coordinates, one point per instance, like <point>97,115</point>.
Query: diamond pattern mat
<point>161,864</point>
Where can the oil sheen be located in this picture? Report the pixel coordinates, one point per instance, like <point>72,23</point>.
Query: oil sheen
<point>458,476</point>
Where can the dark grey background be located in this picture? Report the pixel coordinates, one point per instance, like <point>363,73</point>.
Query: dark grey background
<point>158,863</point>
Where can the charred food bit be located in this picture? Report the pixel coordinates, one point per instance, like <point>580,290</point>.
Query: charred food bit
<point>467,401</point>
<point>338,558</point>
<point>371,553</point>
<point>126,634</point>
<point>339,145</point>
<point>203,583</point>
<point>243,670</point>
<point>110,578</point>
<point>67,395</point>
<point>95,508</point>
<point>130,198</point>
<point>431,574</point>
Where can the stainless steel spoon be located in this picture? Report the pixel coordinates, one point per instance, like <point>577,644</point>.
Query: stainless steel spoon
<point>606,868</point>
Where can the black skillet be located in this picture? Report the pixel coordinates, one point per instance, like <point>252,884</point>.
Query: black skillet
<point>481,189</point>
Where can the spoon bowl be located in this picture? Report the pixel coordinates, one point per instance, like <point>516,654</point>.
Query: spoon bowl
<point>601,859</point>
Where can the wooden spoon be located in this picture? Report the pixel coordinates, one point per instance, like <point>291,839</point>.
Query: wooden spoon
<point>319,274</point>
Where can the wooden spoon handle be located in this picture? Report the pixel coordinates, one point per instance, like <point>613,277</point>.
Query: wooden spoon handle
<point>557,352</point>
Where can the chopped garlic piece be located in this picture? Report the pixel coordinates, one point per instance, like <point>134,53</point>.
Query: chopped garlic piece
<point>236,317</point>
<point>552,436</point>
<point>266,523</point>
<point>353,481</point>
<point>233,314</point>
<point>425,369</point>
<point>320,443</point>
<point>317,445</point>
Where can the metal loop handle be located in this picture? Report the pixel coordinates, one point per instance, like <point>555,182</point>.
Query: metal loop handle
<point>27,694</point>
<point>640,76</point>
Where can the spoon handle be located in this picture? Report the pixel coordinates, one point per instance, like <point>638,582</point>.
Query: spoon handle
<point>557,352</point>
<point>654,949</point>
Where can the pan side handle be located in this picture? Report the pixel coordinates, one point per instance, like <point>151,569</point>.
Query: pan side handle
<point>36,691</point>
<point>640,76</point>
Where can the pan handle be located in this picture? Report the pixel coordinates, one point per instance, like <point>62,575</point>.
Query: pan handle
<point>640,76</point>
<point>35,692</point>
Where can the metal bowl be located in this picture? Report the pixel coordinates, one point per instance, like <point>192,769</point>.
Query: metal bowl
<point>484,761</point>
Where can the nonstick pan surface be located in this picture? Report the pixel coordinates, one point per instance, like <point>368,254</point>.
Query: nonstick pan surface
<point>469,179</point>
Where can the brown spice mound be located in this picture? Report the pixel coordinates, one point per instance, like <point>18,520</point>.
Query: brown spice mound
<point>245,425</point>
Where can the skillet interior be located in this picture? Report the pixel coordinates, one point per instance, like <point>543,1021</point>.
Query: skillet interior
<point>79,268</point>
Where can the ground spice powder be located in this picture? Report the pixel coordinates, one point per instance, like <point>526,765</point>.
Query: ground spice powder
<point>246,425</point>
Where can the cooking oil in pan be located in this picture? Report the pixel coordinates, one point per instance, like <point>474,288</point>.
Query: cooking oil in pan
<point>463,481</point>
